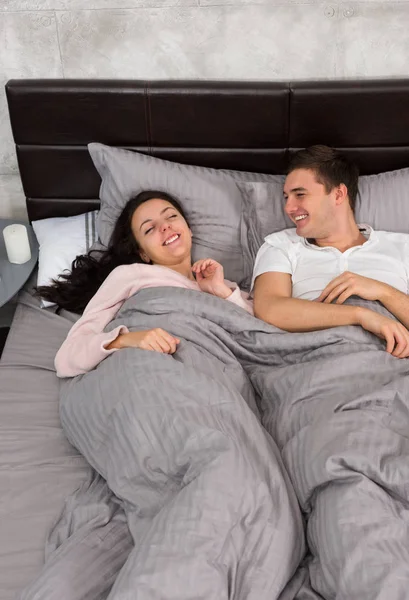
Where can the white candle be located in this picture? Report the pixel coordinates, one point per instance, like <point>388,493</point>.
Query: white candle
<point>17,244</point>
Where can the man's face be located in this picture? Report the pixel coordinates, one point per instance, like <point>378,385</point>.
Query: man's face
<point>308,204</point>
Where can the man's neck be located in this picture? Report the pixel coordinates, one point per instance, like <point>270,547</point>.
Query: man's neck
<point>343,239</point>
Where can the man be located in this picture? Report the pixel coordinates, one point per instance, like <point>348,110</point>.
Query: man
<point>328,257</point>
<point>336,405</point>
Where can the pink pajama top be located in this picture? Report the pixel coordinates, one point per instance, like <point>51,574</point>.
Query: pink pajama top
<point>86,344</point>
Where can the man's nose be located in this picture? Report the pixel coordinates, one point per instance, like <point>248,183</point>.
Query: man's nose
<point>290,205</point>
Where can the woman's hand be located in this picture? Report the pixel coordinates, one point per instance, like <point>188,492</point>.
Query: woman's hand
<point>210,278</point>
<point>350,284</point>
<point>156,340</point>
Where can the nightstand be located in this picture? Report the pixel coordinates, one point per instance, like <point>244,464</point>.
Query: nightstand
<point>13,277</point>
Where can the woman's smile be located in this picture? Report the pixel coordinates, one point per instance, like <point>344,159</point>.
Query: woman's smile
<point>172,239</point>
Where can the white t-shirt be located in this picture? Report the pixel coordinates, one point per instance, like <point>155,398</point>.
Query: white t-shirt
<point>384,257</point>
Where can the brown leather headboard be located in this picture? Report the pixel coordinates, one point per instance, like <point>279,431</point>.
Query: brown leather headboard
<point>250,126</point>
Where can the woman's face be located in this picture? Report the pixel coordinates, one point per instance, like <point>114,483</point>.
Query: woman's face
<point>161,232</point>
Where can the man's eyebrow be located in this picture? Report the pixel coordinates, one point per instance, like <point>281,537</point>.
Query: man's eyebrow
<point>297,189</point>
<point>161,212</point>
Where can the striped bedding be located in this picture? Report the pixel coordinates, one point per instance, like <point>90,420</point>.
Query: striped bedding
<point>192,497</point>
<point>197,504</point>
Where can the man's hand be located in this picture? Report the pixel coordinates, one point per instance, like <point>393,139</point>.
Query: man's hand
<point>350,284</point>
<point>210,277</point>
<point>393,332</point>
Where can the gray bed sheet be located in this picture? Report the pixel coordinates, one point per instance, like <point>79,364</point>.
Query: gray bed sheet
<point>39,469</point>
<point>43,479</point>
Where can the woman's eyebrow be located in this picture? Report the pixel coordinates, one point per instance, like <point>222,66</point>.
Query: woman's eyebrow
<point>142,224</point>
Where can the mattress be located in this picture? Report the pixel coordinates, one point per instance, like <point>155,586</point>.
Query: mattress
<point>39,469</point>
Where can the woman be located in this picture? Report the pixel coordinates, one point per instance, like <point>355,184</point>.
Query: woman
<point>150,247</point>
<point>179,442</point>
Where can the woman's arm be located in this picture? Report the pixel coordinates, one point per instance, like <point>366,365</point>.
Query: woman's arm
<point>86,347</point>
<point>86,343</point>
<point>156,340</point>
<point>240,298</point>
<point>210,278</point>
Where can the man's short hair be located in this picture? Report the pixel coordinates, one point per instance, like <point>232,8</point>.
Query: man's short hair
<point>331,168</point>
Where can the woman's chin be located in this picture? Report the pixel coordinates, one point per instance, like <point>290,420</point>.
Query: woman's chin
<point>178,254</point>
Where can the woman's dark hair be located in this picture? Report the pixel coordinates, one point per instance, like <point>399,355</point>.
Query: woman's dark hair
<point>75,289</point>
<point>331,168</point>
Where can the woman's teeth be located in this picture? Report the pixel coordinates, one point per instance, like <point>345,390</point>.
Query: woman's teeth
<point>172,239</point>
<point>300,217</point>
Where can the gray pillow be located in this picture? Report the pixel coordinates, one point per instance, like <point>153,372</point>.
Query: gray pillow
<point>231,212</point>
<point>263,212</point>
<point>213,201</point>
<point>383,201</point>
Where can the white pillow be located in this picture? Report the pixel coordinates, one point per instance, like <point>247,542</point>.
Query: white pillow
<point>61,240</point>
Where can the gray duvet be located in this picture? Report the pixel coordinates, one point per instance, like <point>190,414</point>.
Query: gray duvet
<point>200,484</point>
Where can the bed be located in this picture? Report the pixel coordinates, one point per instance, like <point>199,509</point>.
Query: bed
<point>251,127</point>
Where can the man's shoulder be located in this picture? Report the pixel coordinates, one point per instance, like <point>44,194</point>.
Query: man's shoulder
<point>393,237</point>
<point>283,239</point>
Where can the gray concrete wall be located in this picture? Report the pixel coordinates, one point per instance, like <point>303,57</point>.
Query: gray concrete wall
<point>213,39</point>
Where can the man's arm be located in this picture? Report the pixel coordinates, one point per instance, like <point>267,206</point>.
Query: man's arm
<point>273,303</point>
<point>397,303</point>
<point>350,284</point>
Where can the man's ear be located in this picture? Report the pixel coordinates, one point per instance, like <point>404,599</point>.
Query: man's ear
<point>341,194</point>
